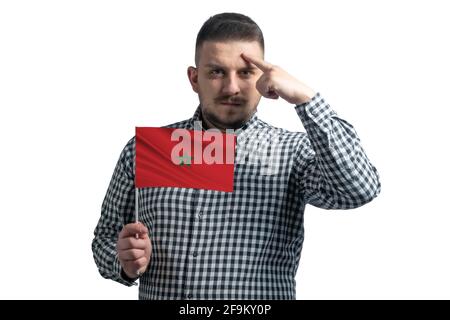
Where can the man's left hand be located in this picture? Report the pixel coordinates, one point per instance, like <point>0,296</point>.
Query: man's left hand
<point>275,82</point>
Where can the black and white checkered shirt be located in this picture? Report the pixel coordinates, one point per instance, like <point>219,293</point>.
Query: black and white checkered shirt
<point>244,244</point>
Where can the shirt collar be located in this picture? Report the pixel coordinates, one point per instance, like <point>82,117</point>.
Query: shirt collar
<point>251,123</point>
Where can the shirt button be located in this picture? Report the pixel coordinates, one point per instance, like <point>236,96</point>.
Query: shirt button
<point>194,254</point>
<point>189,296</point>
<point>199,215</point>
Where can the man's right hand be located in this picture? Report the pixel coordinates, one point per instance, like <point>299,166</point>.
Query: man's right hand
<point>134,249</point>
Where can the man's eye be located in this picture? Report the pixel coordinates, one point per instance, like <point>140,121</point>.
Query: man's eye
<point>246,73</point>
<point>216,72</point>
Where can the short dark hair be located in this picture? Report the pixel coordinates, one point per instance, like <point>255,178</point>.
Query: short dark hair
<point>228,26</point>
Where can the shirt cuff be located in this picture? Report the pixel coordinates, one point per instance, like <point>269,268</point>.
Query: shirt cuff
<point>316,109</point>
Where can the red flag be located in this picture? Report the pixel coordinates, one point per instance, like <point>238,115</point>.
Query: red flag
<point>170,157</point>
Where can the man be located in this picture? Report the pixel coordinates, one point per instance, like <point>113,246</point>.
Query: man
<point>206,244</point>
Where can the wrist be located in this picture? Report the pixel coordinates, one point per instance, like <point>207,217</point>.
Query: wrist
<point>305,97</point>
<point>126,276</point>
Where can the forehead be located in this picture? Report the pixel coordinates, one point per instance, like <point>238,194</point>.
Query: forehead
<point>228,53</point>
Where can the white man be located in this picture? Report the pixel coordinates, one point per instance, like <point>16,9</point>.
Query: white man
<point>207,244</point>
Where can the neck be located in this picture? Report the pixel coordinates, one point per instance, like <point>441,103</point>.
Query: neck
<point>209,125</point>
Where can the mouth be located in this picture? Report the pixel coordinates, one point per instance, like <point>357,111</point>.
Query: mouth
<point>233,104</point>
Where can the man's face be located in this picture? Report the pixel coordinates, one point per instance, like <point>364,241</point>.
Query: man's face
<point>226,83</point>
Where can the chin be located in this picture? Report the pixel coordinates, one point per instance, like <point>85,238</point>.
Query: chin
<point>232,118</point>
<point>235,120</point>
<point>233,123</point>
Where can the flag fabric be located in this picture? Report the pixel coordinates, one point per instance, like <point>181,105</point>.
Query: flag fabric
<point>171,157</point>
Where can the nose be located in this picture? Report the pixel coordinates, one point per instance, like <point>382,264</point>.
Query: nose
<point>231,85</point>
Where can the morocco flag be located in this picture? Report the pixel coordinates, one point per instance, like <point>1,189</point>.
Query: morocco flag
<point>170,157</point>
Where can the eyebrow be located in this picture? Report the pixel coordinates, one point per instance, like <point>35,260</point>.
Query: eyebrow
<point>217,66</point>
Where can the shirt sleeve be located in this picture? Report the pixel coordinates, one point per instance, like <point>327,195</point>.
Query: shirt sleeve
<point>331,169</point>
<point>116,211</point>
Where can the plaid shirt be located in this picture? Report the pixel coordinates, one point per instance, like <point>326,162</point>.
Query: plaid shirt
<point>244,244</point>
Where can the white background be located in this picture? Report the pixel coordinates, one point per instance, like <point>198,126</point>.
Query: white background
<point>76,77</point>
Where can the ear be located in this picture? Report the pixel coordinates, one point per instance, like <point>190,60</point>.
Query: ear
<point>193,78</point>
